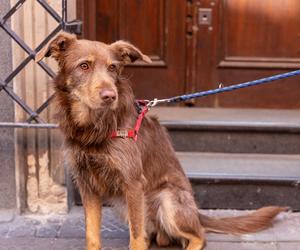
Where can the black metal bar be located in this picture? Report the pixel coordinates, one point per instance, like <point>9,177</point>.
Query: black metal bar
<point>44,66</point>
<point>64,13</point>
<point>31,55</point>
<point>12,10</point>
<point>17,70</point>
<point>63,24</point>
<point>28,50</point>
<point>49,37</point>
<point>27,125</point>
<point>24,106</point>
<point>17,39</point>
<point>2,84</point>
<point>42,107</point>
<point>47,69</point>
<point>74,26</point>
<point>50,10</point>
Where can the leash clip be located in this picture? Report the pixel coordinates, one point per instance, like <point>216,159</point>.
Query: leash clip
<point>156,101</point>
<point>152,103</point>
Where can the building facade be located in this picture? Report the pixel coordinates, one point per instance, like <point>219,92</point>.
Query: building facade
<point>194,45</point>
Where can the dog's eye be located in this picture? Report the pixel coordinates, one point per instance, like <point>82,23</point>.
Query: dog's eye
<point>112,68</point>
<point>84,66</point>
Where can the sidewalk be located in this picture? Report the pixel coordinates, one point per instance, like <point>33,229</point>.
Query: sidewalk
<point>64,232</point>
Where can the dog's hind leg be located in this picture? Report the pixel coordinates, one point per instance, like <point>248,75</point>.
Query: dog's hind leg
<point>177,214</point>
<point>195,242</point>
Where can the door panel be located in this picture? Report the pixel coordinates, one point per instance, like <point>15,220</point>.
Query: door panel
<point>256,32</point>
<point>250,39</point>
<point>157,27</point>
<point>149,31</point>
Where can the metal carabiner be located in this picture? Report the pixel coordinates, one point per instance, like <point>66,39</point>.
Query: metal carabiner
<point>155,102</point>
<point>152,103</point>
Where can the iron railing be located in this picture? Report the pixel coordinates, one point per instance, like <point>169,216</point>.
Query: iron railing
<point>34,120</point>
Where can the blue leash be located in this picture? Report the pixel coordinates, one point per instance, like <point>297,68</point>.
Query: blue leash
<point>224,89</point>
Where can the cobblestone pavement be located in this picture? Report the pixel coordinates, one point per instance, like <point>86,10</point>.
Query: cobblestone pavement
<point>64,232</point>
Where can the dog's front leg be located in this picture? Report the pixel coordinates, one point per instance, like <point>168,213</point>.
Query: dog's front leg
<point>93,213</point>
<point>136,216</point>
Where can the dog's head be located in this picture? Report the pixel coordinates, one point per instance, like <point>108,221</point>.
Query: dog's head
<point>90,69</point>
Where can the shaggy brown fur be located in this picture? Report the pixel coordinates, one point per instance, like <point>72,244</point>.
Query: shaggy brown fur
<point>144,178</point>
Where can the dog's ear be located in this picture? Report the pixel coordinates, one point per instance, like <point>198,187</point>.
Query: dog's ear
<point>56,46</point>
<point>127,53</point>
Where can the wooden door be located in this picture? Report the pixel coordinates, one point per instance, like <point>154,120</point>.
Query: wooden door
<point>249,39</point>
<point>246,40</point>
<point>157,27</point>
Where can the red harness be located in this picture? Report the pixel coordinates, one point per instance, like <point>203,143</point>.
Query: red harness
<point>133,133</point>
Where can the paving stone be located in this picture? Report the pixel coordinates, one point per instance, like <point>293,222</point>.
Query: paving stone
<point>21,231</point>
<point>122,244</point>
<point>288,228</point>
<point>7,215</point>
<point>71,229</point>
<point>240,246</point>
<point>229,246</point>
<point>263,236</point>
<point>26,244</point>
<point>118,244</point>
<point>4,228</point>
<point>73,226</point>
<point>24,220</point>
<point>69,244</point>
<point>79,244</point>
<point>288,246</point>
<point>223,237</point>
<point>31,221</point>
<point>112,226</point>
<point>48,231</point>
<point>55,220</point>
<point>112,222</point>
<point>114,235</point>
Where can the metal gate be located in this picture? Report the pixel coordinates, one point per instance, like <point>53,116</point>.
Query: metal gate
<point>34,120</point>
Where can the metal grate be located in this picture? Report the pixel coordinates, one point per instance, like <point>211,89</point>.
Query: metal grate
<point>34,120</point>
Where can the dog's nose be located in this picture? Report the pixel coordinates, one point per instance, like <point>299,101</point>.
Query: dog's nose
<point>108,95</point>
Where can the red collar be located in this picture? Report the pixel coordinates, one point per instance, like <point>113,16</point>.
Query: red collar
<point>133,133</point>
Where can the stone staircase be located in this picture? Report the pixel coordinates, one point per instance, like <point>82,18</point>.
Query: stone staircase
<point>238,158</point>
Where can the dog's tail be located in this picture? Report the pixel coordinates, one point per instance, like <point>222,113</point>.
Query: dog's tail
<point>254,222</point>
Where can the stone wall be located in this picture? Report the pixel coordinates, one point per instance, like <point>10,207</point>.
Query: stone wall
<point>7,152</point>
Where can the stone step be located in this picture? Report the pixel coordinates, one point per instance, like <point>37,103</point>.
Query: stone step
<point>263,167</point>
<point>243,181</point>
<point>232,130</point>
<point>237,158</point>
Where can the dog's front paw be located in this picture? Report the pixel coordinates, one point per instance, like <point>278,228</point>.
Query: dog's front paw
<point>93,245</point>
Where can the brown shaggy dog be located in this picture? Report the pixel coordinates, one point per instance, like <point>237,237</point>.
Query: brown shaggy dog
<point>143,178</point>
